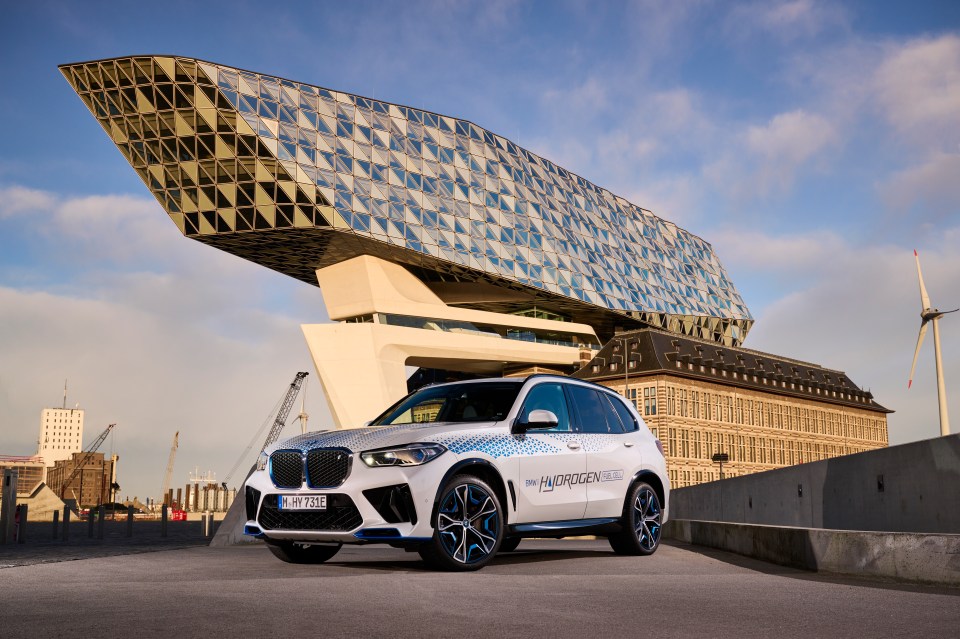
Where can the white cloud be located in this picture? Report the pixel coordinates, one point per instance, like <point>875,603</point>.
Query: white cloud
<point>918,88</point>
<point>857,309</point>
<point>785,145</point>
<point>765,160</point>
<point>932,186</point>
<point>786,20</point>
<point>155,332</point>
<point>150,373</point>
<point>17,200</point>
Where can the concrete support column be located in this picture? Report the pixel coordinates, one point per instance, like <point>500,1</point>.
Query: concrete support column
<point>23,512</point>
<point>8,506</point>
<point>66,523</point>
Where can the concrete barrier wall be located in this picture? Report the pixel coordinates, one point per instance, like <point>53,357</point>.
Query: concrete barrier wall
<point>921,558</point>
<point>908,488</point>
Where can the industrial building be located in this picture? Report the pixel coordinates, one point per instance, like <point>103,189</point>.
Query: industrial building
<point>91,484</point>
<point>442,245</point>
<point>30,471</point>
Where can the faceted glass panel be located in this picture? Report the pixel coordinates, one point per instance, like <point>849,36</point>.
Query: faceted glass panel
<point>297,177</point>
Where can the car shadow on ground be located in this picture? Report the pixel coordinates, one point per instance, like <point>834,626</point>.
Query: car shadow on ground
<point>515,558</point>
<point>864,581</point>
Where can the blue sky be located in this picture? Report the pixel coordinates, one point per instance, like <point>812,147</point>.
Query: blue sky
<point>814,144</point>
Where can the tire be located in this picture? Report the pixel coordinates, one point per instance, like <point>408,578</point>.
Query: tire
<point>294,553</point>
<point>509,544</point>
<point>642,521</point>
<point>467,527</point>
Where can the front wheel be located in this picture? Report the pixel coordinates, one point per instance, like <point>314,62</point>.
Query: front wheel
<point>468,526</point>
<point>294,553</point>
<point>642,521</point>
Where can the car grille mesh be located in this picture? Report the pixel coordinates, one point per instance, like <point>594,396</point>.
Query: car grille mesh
<point>286,469</point>
<point>341,515</point>
<point>327,468</point>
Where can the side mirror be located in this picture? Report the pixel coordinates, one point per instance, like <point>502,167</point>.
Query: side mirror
<point>537,420</point>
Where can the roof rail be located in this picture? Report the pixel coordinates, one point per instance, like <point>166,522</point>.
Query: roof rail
<point>575,379</point>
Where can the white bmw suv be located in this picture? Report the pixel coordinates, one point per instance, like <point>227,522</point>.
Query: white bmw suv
<point>462,471</point>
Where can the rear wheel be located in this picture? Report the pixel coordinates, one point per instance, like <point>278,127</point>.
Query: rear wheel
<point>642,520</point>
<point>468,526</point>
<point>294,553</point>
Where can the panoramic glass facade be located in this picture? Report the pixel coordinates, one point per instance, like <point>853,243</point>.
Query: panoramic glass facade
<point>297,177</point>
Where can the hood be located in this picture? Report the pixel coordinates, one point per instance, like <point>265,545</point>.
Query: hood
<point>371,437</point>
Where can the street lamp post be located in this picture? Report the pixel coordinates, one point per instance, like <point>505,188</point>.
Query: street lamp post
<point>625,344</point>
<point>720,458</point>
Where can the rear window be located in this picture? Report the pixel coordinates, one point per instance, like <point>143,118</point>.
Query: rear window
<point>593,410</point>
<point>626,417</point>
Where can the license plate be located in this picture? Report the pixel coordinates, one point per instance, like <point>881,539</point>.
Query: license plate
<point>303,502</point>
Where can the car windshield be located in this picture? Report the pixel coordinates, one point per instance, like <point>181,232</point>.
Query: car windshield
<point>483,402</point>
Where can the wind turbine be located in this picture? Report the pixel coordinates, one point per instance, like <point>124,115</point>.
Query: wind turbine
<point>931,315</point>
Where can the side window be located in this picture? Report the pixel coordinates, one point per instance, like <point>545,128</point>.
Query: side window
<point>626,417</point>
<point>547,397</point>
<point>590,409</point>
<point>613,420</point>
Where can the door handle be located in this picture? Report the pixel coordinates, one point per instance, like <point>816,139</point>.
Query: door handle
<point>628,444</point>
<point>573,445</point>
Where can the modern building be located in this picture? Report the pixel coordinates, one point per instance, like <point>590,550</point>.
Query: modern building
<point>61,434</point>
<point>434,223</point>
<point>436,243</point>
<point>763,411</point>
<point>93,484</point>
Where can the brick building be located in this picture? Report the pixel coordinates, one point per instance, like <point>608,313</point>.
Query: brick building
<point>764,411</point>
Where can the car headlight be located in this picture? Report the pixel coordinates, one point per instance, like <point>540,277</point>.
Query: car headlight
<point>262,461</point>
<point>412,455</point>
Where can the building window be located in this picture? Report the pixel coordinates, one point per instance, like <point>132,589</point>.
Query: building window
<point>650,400</point>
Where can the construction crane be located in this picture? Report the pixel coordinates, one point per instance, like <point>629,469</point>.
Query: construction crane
<point>169,474</point>
<point>278,423</point>
<point>91,449</point>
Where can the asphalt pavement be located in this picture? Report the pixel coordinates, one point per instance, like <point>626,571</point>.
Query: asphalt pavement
<point>548,588</point>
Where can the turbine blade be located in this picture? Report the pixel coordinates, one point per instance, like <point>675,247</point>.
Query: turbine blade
<point>924,298</point>
<point>923,331</point>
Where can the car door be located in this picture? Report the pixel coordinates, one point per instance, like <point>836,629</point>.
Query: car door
<point>610,452</point>
<point>551,462</point>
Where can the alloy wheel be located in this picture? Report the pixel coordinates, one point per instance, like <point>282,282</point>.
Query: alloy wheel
<point>648,518</point>
<point>468,523</point>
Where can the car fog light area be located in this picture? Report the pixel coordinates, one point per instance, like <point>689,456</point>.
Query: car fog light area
<point>412,455</point>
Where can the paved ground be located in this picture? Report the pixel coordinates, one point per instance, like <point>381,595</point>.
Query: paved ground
<point>569,588</point>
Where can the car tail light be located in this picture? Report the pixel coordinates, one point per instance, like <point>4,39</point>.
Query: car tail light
<point>660,447</point>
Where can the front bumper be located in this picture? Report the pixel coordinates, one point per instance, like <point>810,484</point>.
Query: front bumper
<point>373,505</point>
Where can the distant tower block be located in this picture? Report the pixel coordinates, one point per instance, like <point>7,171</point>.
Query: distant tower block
<point>61,432</point>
